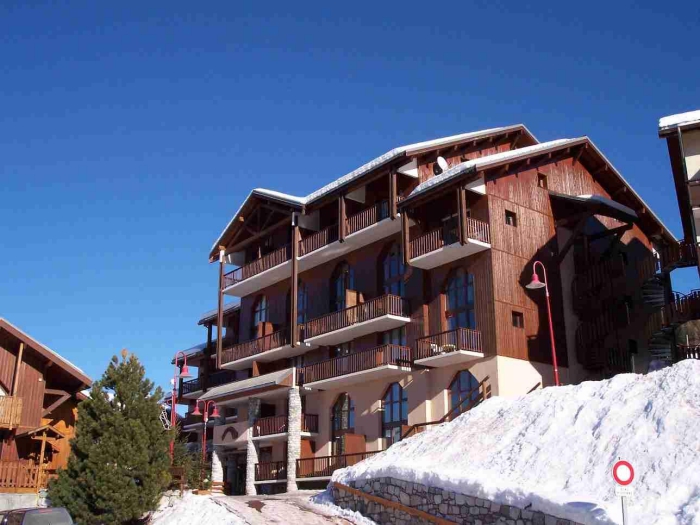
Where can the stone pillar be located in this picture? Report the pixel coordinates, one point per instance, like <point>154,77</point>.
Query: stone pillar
<point>217,470</point>
<point>293,437</point>
<point>252,449</point>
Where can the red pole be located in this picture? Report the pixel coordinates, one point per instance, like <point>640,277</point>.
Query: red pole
<point>551,325</point>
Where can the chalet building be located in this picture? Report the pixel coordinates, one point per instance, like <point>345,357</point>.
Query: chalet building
<point>39,394</point>
<point>395,297</point>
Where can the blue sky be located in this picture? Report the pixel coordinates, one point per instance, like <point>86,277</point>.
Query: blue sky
<point>131,131</point>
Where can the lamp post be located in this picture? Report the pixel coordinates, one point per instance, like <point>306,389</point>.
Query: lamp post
<point>205,413</point>
<point>536,284</point>
<point>183,373</point>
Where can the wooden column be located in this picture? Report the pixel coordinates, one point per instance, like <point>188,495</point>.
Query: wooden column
<point>342,216</point>
<point>393,195</point>
<point>294,289</point>
<point>461,212</point>
<point>220,311</point>
<point>465,224</point>
<point>206,365</point>
<point>15,379</point>
<point>405,239</point>
<point>40,470</point>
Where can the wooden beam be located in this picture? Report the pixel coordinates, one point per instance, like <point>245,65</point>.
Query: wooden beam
<point>580,152</point>
<point>220,309</point>
<point>55,392</point>
<point>55,404</point>
<point>250,240</point>
<point>615,231</point>
<point>405,242</point>
<point>294,289</point>
<point>40,473</point>
<point>461,213</point>
<point>393,195</point>
<point>577,230</point>
<point>15,379</point>
<point>342,216</point>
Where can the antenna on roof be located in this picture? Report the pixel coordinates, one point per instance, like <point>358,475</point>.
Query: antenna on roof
<point>440,166</point>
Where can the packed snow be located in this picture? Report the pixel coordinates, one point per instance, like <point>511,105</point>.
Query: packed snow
<point>191,509</point>
<point>679,119</point>
<point>555,448</point>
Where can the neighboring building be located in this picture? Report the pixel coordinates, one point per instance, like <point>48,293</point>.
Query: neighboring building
<point>395,297</point>
<point>39,394</point>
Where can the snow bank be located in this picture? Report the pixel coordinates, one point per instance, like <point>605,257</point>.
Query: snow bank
<point>555,449</point>
<point>193,510</point>
<point>324,503</point>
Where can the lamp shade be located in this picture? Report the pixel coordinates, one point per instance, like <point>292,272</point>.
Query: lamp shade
<point>215,413</point>
<point>185,372</point>
<point>196,410</point>
<point>535,284</point>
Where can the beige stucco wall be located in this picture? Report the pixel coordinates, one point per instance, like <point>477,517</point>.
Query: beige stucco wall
<point>691,149</point>
<point>516,376</point>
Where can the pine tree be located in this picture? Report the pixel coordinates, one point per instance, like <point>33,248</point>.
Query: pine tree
<point>119,459</point>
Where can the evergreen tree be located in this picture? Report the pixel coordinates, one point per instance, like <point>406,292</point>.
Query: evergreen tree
<point>119,459</point>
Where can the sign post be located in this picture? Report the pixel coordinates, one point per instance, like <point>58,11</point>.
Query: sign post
<point>623,474</point>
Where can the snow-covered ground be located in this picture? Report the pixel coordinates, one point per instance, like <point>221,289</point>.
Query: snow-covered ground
<point>193,510</point>
<point>555,449</point>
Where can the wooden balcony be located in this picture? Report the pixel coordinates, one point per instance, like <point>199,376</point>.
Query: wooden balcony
<point>10,412</point>
<point>279,425</point>
<point>678,255</point>
<point>682,308</point>
<point>458,346</point>
<point>324,466</point>
<point>367,217</point>
<point>262,272</point>
<point>271,347</point>
<point>375,315</point>
<point>309,423</point>
<point>442,246</point>
<point>318,240</point>
<point>192,388</point>
<point>385,360</point>
<point>21,476</point>
<point>271,471</point>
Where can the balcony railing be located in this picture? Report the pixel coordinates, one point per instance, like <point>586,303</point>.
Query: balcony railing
<point>318,240</point>
<point>324,466</point>
<point>271,471</point>
<point>682,308</point>
<point>367,217</point>
<point>597,275</point>
<point>679,255</point>
<point>255,346</point>
<point>267,426</point>
<point>272,259</point>
<point>441,237</point>
<point>687,352</point>
<point>19,476</point>
<point>309,423</point>
<point>388,354</point>
<point>450,341</point>
<point>215,379</point>
<point>10,412</point>
<point>372,309</point>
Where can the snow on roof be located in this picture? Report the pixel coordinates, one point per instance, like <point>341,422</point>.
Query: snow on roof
<point>554,449</point>
<point>611,203</point>
<point>245,385</point>
<point>230,307</point>
<point>681,119</point>
<point>474,164</point>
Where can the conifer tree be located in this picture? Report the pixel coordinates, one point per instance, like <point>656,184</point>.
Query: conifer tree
<point>119,459</point>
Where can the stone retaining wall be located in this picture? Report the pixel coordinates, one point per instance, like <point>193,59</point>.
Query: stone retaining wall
<point>440,504</point>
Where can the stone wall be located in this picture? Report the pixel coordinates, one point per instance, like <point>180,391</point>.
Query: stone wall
<point>442,504</point>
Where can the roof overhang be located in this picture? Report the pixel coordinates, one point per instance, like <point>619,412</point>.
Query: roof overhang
<point>596,205</point>
<point>253,386</point>
<point>672,124</point>
<point>211,315</point>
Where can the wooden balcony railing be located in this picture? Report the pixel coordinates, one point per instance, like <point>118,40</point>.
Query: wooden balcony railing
<point>367,217</point>
<point>597,275</point>
<point>687,352</point>
<point>324,466</point>
<point>450,341</point>
<point>19,476</point>
<point>366,360</point>
<point>216,379</point>
<point>257,346</point>
<point>271,471</point>
<point>267,426</point>
<point>372,309</point>
<point>309,423</point>
<point>678,255</point>
<point>318,240</point>
<point>10,412</point>
<point>682,308</point>
<point>272,259</point>
<point>440,237</point>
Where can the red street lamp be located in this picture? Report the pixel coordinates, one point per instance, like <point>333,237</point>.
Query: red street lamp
<point>183,373</point>
<point>205,413</point>
<point>536,284</point>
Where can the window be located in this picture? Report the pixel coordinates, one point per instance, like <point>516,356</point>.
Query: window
<point>542,181</point>
<point>302,302</point>
<point>392,271</point>
<point>518,319</point>
<point>511,218</point>
<point>459,306</point>
<point>342,422</point>
<point>397,336</point>
<point>341,350</point>
<point>394,413</point>
<point>260,312</point>
<point>463,387</point>
<point>342,280</point>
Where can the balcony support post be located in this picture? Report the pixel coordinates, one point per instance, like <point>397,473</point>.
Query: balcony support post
<point>342,218</point>
<point>252,448</point>
<point>15,379</point>
<point>206,365</point>
<point>293,437</point>
<point>220,310</point>
<point>392,195</point>
<point>461,216</point>
<point>294,289</point>
<point>405,242</point>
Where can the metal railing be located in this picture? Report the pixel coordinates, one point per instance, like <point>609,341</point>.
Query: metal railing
<point>450,341</point>
<point>267,426</point>
<point>271,471</point>
<point>440,237</point>
<point>216,379</point>
<point>255,346</point>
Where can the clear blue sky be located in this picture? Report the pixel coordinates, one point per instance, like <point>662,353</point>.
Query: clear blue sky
<point>131,131</point>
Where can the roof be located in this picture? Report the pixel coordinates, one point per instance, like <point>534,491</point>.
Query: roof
<point>238,388</point>
<point>211,314</point>
<point>601,206</point>
<point>46,352</point>
<point>195,351</point>
<point>671,123</point>
<point>408,149</point>
<point>38,430</point>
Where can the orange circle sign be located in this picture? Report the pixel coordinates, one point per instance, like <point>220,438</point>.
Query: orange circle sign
<point>623,473</point>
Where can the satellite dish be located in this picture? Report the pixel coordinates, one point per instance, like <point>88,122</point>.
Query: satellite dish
<point>443,163</point>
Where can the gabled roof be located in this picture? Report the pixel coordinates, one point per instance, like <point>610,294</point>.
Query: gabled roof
<point>250,386</point>
<point>46,352</point>
<point>671,123</point>
<point>377,162</point>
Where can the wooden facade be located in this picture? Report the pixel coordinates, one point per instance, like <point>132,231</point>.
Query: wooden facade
<point>45,391</point>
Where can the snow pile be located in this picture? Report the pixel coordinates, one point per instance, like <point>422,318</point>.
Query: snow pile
<point>555,449</point>
<point>679,119</point>
<point>193,510</point>
<point>323,502</point>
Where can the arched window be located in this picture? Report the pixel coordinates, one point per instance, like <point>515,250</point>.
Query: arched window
<point>342,422</point>
<point>394,413</point>
<point>342,280</point>
<point>302,302</point>
<point>464,386</point>
<point>260,313</point>
<point>392,271</point>
<point>459,304</point>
